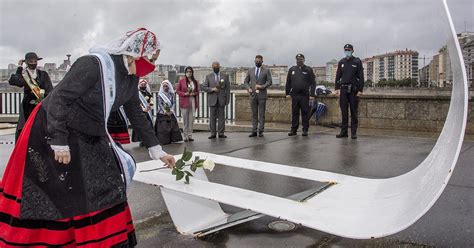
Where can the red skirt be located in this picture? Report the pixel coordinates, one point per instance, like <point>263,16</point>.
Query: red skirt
<point>117,126</point>
<point>122,138</point>
<point>111,227</point>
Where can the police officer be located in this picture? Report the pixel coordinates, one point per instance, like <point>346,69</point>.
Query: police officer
<point>300,86</point>
<point>349,86</point>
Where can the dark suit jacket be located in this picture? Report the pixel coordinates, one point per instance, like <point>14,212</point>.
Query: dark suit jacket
<point>220,98</point>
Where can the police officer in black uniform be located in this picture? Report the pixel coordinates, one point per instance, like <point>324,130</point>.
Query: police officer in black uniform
<point>300,86</point>
<point>349,86</point>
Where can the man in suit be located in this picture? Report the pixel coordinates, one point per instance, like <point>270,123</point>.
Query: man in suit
<point>217,86</point>
<point>257,81</point>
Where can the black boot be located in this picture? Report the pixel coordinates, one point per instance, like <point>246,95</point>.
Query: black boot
<point>342,135</point>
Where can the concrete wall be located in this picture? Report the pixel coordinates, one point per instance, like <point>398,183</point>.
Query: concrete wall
<point>381,111</point>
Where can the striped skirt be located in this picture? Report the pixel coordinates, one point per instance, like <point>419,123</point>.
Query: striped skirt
<point>118,129</point>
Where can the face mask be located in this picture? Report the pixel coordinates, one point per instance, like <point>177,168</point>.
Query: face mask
<point>348,53</point>
<point>144,67</point>
<point>166,89</point>
<point>143,88</point>
<point>189,74</point>
<point>32,66</point>
<point>216,70</point>
<point>300,62</point>
<point>258,64</point>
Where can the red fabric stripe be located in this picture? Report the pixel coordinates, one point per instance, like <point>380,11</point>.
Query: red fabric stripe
<point>9,206</point>
<point>113,230</point>
<point>144,42</point>
<point>28,236</point>
<point>106,227</point>
<point>120,135</point>
<point>122,138</point>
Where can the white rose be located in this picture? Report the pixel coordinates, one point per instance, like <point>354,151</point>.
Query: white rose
<point>208,165</point>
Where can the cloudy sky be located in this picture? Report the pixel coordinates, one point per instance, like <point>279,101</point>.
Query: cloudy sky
<point>233,32</point>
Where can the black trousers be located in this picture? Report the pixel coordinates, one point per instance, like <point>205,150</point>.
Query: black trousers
<point>346,101</point>
<point>299,103</point>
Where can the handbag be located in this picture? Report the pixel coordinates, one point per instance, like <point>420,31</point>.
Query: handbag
<point>126,162</point>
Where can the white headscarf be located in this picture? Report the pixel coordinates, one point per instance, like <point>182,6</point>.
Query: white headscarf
<point>135,43</point>
<point>166,95</point>
<point>148,88</point>
<point>170,85</point>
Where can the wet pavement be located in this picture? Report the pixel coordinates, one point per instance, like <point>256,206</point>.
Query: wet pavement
<point>450,222</point>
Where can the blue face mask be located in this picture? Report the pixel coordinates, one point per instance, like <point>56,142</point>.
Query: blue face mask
<point>348,53</point>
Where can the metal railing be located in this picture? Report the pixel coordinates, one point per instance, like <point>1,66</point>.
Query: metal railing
<point>10,103</point>
<point>202,110</point>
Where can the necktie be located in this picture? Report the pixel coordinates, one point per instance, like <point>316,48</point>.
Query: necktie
<point>257,73</point>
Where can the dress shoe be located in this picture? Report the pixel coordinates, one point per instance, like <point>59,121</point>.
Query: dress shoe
<point>260,134</point>
<point>291,133</point>
<point>304,134</point>
<point>354,136</point>
<point>342,135</point>
<point>253,135</point>
<point>212,136</point>
<point>190,139</point>
<point>222,136</point>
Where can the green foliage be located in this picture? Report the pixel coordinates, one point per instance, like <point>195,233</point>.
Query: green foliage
<point>180,169</point>
<point>407,82</point>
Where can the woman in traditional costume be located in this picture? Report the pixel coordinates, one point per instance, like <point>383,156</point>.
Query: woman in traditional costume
<point>166,125</point>
<point>63,185</point>
<point>144,92</point>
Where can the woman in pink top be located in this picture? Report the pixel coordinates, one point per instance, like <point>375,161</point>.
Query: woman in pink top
<point>188,91</point>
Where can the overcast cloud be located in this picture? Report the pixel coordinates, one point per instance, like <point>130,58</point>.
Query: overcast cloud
<point>233,32</point>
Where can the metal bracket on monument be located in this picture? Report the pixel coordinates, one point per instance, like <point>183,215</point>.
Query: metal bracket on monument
<point>247,215</point>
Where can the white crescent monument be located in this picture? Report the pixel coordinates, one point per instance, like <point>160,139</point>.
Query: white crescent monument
<point>346,206</point>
